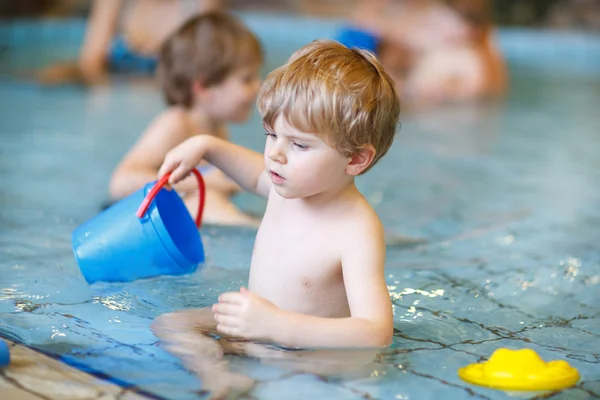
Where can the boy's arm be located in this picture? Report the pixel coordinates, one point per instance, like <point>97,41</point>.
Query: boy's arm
<point>371,321</point>
<point>246,167</point>
<point>101,28</point>
<point>140,164</point>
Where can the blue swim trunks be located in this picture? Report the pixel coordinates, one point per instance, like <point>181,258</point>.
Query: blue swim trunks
<point>122,58</point>
<point>205,169</point>
<point>351,37</point>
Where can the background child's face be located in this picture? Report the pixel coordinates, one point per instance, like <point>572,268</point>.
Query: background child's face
<point>233,99</point>
<point>302,164</point>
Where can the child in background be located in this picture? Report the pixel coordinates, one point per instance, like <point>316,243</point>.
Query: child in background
<point>143,26</point>
<point>460,67</point>
<point>209,73</point>
<point>437,51</point>
<point>317,271</point>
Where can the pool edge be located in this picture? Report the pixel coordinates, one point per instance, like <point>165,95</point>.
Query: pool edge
<point>49,373</point>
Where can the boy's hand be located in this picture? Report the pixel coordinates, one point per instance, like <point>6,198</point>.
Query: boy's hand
<point>245,314</point>
<point>181,160</point>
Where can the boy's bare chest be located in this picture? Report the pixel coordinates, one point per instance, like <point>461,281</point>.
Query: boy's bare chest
<point>295,250</point>
<point>293,262</point>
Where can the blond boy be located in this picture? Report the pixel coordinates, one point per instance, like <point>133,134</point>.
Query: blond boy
<point>209,73</point>
<point>317,270</point>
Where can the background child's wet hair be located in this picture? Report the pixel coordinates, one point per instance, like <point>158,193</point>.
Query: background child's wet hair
<point>330,90</point>
<point>207,48</point>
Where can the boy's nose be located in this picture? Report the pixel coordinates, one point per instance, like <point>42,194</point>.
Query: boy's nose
<point>276,154</point>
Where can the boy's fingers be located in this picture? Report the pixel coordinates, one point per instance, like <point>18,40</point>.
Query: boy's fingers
<point>179,173</point>
<point>227,330</point>
<point>230,297</point>
<point>225,309</point>
<point>166,167</point>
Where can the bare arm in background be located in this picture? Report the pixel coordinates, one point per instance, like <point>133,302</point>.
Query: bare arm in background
<point>101,28</point>
<point>90,68</point>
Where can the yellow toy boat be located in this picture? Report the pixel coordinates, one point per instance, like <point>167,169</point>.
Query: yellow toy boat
<point>520,370</point>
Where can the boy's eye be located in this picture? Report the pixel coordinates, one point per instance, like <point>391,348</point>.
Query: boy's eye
<point>270,135</point>
<point>300,146</point>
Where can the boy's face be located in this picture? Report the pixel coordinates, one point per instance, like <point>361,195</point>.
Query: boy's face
<point>233,99</point>
<point>302,164</point>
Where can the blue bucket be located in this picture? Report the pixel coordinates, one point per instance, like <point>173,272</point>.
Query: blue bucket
<point>160,238</point>
<point>4,354</point>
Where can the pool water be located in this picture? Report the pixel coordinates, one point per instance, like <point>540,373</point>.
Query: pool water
<point>506,198</point>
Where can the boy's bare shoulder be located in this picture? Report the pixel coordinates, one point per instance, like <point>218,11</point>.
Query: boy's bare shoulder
<point>180,119</point>
<point>362,221</point>
<point>177,117</point>
<point>173,125</point>
<point>361,238</point>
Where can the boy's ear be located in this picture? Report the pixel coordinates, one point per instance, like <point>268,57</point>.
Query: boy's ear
<point>199,89</point>
<point>361,160</point>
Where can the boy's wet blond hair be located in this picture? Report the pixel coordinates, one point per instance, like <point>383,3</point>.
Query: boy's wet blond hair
<point>206,48</point>
<point>342,94</point>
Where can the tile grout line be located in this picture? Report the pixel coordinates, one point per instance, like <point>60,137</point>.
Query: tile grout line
<point>17,385</point>
<point>94,376</point>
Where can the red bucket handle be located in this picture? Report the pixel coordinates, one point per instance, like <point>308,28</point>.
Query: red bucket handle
<point>162,182</point>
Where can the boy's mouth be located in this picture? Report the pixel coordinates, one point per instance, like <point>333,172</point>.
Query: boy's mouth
<point>276,178</point>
